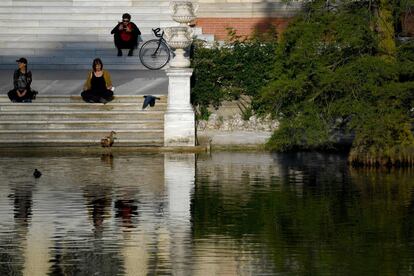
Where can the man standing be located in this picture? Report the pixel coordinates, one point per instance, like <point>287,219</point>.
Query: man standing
<point>126,35</point>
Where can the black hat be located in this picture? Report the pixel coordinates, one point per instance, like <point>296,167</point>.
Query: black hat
<point>22,60</point>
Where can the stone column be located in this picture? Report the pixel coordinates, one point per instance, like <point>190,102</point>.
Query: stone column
<point>179,125</point>
<point>179,121</point>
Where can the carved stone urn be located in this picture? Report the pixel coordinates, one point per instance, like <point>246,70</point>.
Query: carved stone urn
<point>183,11</point>
<point>180,37</point>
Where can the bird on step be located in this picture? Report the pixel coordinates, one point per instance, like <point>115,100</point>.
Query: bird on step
<point>149,100</point>
<point>37,173</point>
<point>108,141</point>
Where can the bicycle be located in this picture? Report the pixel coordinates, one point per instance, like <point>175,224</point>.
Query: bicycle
<point>155,53</point>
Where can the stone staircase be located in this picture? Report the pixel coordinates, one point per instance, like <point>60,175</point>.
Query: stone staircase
<point>68,121</point>
<point>69,34</point>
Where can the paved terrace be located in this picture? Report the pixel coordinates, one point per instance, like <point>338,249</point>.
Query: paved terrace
<point>70,82</point>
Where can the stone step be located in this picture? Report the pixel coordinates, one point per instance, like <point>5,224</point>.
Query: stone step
<point>95,134</point>
<point>86,125</point>
<point>83,24</point>
<point>78,99</point>
<point>45,9</point>
<point>119,3</point>
<point>47,65</point>
<point>69,30</point>
<point>76,106</point>
<point>133,1</point>
<point>80,63</point>
<point>72,58</point>
<point>137,18</point>
<point>45,142</point>
<point>63,38</point>
<point>67,55</point>
<point>59,48</point>
<point>147,114</point>
<point>68,40</point>
<point>83,59</point>
<point>68,34</point>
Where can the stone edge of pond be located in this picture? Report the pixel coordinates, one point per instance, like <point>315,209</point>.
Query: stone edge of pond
<point>67,150</point>
<point>72,150</point>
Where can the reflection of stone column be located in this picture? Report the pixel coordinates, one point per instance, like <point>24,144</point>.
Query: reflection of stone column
<point>135,253</point>
<point>179,171</point>
<point>37,251</point>
<point>179,125</point>
<point>39,237</point>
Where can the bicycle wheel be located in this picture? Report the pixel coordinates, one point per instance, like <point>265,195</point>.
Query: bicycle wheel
<point>152,56</point>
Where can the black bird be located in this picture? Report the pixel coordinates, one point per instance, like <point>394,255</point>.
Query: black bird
<point>149,100</point>
<point>37,173</point>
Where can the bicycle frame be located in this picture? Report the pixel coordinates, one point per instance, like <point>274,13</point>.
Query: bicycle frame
<point>160,48</point>
<point>161,40</point>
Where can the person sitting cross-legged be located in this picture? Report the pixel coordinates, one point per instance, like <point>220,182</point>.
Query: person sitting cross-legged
<point>98,86</point>
<point>22,78</point>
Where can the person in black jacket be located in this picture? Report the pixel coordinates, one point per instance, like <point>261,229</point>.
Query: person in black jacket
<point>21,81</point>
<point>126,35</point>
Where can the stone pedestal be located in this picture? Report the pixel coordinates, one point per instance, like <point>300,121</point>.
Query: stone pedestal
<point>179,124</point>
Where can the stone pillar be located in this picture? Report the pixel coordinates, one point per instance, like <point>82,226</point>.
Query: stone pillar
<point>179,125</point>
<point>179,121</point>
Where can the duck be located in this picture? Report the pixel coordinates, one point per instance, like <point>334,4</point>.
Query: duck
<point>108,141</point>
<point>37,173</point>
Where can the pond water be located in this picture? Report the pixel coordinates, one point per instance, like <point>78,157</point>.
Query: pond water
<point>219,214</point>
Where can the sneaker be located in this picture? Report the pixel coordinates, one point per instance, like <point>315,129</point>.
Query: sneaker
<point>27,101</point>
<point>131,53</point>
<point>102,100</point>
<point>119,53</point>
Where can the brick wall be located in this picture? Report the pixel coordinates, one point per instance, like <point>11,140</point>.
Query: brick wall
<point>243,26</point>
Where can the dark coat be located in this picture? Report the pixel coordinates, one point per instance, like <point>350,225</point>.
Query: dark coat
<point>30,94</point>
<point>16,75</point>
<point>119,43</point>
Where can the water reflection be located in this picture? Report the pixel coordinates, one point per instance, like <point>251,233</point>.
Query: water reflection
<point>312,215</point>
<point>220,214</point>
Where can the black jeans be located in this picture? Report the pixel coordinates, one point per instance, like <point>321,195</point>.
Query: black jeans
<point>91,96</point>
<point>15,98</point>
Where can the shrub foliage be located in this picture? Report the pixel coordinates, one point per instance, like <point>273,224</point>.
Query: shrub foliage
<point>336,72</point>
<point>241,66</point>
<point>334,76</point>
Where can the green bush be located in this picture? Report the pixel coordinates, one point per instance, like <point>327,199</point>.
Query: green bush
<point>330,77</point>
<point>226,72</point>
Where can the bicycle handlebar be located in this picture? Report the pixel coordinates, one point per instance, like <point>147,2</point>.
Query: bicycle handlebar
<point>156,32</point>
